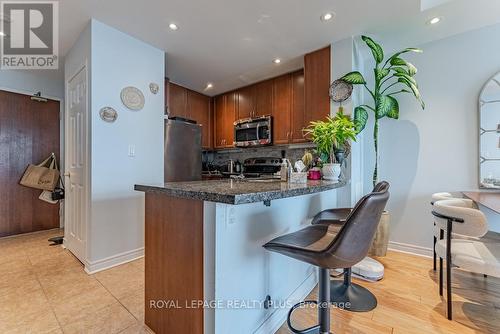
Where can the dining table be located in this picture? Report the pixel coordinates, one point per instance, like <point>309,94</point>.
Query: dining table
<point>489,199</point>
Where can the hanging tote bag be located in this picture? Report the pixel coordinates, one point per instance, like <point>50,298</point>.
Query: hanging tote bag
<point>43,176</point>
<point>54,196</point>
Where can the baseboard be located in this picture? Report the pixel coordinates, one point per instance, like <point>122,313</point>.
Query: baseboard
<point>410,249</point>
<point>113,261</point>
<point>278,318</point>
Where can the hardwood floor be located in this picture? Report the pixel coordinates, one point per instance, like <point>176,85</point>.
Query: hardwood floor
<point>409,302</point>
<point>45,290</point>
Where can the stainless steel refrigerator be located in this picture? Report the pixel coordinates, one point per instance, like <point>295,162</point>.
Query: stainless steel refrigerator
<point>182,151</point>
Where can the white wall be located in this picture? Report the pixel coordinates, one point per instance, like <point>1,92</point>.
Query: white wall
<point>118,61</point>
<point>436,149</point>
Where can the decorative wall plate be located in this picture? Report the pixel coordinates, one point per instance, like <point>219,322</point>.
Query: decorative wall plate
<point>132,98</point>
<point>154,88</point>
<point>108,114</point>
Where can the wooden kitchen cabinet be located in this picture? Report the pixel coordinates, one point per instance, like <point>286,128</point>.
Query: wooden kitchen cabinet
<point>255,100</point>
<point>294,100</point>
<point>225,107</point>
<point>282,94</point>
<point>264,98</point>
<point>186,103</point>
<point>177,101</point>
<point>298,110</point>
<point>316,84</point>
<point>246,102</point>
<point>219,118</point>
<point>199,111</point>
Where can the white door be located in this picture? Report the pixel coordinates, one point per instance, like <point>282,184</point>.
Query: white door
<point>76,165</point>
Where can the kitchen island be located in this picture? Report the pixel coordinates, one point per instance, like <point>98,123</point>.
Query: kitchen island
<point>206,271</point>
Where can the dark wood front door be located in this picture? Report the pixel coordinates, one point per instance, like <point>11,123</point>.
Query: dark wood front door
<point>29,132</point>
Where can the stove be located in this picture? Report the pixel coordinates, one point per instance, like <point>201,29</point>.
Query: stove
<point>261,167</point>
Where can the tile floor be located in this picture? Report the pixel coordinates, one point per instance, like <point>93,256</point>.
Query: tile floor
<point>45,290</point>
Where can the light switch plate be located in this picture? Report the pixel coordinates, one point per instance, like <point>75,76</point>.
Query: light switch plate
<point>131,151</point>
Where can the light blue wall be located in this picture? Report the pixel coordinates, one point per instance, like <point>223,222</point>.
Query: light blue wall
<point>117,211</point>
<point>437,149</point>
<point>344,59</point>
<point>49,82</point>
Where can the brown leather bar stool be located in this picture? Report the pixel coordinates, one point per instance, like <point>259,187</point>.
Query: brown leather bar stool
<point>356,296</point>
<point>329,247</point>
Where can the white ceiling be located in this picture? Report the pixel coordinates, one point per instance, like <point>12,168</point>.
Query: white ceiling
<point>233,42</point>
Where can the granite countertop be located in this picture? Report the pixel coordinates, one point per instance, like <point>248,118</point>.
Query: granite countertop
<point>239,191</point>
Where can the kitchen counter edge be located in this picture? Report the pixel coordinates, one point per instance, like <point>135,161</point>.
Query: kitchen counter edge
<point>253,196</point>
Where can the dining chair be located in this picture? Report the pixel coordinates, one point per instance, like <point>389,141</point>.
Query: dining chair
<point>464,246</point>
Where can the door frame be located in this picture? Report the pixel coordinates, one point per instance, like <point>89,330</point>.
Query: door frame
<point>62,157</point>
<point>87,184</point>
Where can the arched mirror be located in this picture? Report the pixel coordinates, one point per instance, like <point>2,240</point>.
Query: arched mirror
<point>489,134</point>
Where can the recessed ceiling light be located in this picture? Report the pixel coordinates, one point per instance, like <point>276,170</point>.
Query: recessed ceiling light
<point>2,34</point>
<point>209,85</point>
<point>173,26</point>
<point>327,16</point>
<point>434,20</point>
<point>277,61</point>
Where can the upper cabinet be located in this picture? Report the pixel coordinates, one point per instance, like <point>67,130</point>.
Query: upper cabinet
<point>263,98</point>
<point>317,82</point>
<point>282,102</point>
<point>186,103</point>
<point>298,119</point>
<point>246,102</point>
<point>177,101</point>
<point>199,111</point>
<point>225,112</point>
<point>293,99</point>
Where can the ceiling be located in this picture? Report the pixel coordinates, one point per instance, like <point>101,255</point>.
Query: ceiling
<point>232,43</point>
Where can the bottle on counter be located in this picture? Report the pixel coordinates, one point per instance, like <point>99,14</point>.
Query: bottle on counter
<point>237,167</point>
<point>284,171</point>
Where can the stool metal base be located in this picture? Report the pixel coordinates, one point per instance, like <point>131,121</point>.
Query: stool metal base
<point>359,298</point>
<point>310,330</point>
<point>323,305</point>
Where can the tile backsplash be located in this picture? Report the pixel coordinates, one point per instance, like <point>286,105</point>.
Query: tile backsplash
<point>221,158</point>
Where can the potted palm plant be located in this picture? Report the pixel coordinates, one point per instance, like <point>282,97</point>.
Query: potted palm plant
<point>331,136</point>
<point>392,76</point>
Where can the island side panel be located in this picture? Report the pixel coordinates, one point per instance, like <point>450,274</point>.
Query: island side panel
<point>247,273</point>
<point>173,264</point>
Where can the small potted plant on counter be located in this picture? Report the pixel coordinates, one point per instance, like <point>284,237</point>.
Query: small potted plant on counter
<point>331,136</point>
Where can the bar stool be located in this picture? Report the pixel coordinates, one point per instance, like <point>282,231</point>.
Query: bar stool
<point>329,247</point>
<point>359,298</point>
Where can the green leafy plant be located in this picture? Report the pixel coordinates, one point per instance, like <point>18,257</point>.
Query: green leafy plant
<point>392,77</point>
<point>333,133</point>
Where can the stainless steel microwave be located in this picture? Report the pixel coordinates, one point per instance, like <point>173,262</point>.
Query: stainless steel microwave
<point>253,132</point>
